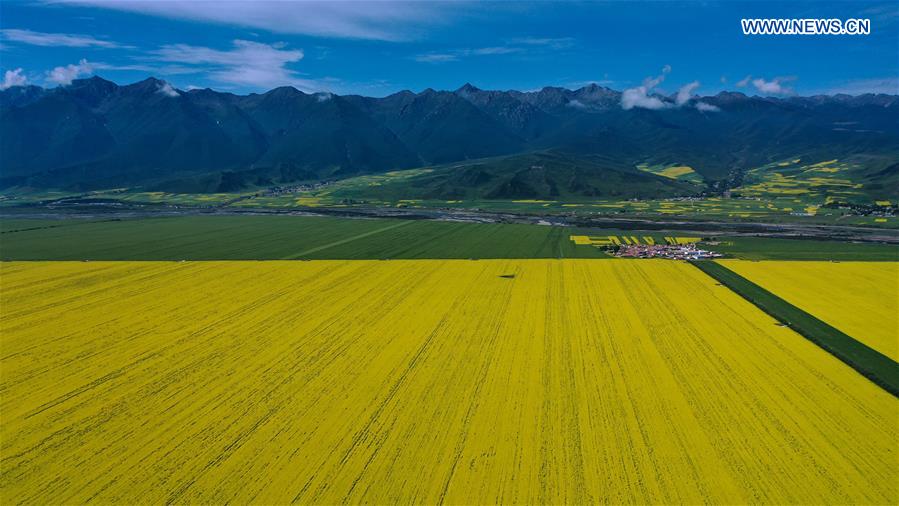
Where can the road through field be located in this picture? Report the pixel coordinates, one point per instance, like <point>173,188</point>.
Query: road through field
<point>421,381</point>
<point>347,240</point>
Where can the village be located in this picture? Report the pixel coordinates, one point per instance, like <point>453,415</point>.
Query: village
<point>671,252</point>
<point>275,191</point>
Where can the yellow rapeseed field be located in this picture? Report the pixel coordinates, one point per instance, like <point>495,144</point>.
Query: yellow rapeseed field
<point>858,298</point>
<point>500,381</point>
<point>676,172</point>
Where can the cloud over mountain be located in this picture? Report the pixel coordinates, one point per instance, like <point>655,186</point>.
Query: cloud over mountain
<point>13,78</point>
<point>773,87</point>
<point>248,63</point>
<point>640,97</point>
<point>66,74</point>
<point>685,92</point>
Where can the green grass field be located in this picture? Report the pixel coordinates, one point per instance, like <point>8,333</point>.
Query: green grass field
<point>280,237</point>
<point>872,364</point>
<point>309,237</point>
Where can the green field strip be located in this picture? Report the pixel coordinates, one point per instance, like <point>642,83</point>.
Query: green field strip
<point>251,237</point>
<point>870,363</point>
<point>348,239</point>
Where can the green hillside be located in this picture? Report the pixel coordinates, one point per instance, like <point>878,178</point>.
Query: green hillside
<point>540,175</point>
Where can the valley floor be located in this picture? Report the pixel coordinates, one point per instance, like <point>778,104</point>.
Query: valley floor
<point>116,236</point>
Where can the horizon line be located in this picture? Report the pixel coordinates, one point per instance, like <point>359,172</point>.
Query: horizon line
<point>190,89</point>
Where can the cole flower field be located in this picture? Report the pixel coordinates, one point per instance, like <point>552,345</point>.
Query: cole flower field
<point>422,381</point>
<point>859,298</point>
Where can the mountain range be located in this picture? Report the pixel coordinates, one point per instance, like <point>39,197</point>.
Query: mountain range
<point>96,134</point>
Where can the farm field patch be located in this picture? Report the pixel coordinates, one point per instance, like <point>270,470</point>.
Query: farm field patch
<point>614,240</point>
<point>515,381</point>
<point>858,298</point>
<point>675,171</point>
<point>824,179</point>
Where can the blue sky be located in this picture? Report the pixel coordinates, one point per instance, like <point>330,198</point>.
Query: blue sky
<point>377,48</point>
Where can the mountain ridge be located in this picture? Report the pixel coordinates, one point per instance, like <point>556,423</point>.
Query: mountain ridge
<point>95,133</point>
<point>882,98</point>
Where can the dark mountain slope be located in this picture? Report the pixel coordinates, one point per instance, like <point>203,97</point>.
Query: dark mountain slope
<point>17,96</point>
<point>537,175</point>
<point>441,126</point>
<point>525,120</point>
<point>322,135</point>
<point>53,133</point>
<point>94,133</point>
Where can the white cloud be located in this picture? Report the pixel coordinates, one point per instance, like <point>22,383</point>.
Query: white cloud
<point>773,87</point>
<point>378,20</point>
<point>704,107</point>
<point>56,39</point>
<point>249,63</point>
<point>685,92</point>
<point>481,51</point>
<point>639,96</point>
<point>457,54</point>
<point>323,97</point>
<point>167,90</point>
<point>530,45</point>
<point>65,75</point>
<point>577,104</point>
<point>13,78</point>
<point>435,57</point>
<point>165,70</point>
<point>551,42</point>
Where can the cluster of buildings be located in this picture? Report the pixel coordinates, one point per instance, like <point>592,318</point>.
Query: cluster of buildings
<point>671,252</point>
<point>274,191</point>
<point>880,208</point>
